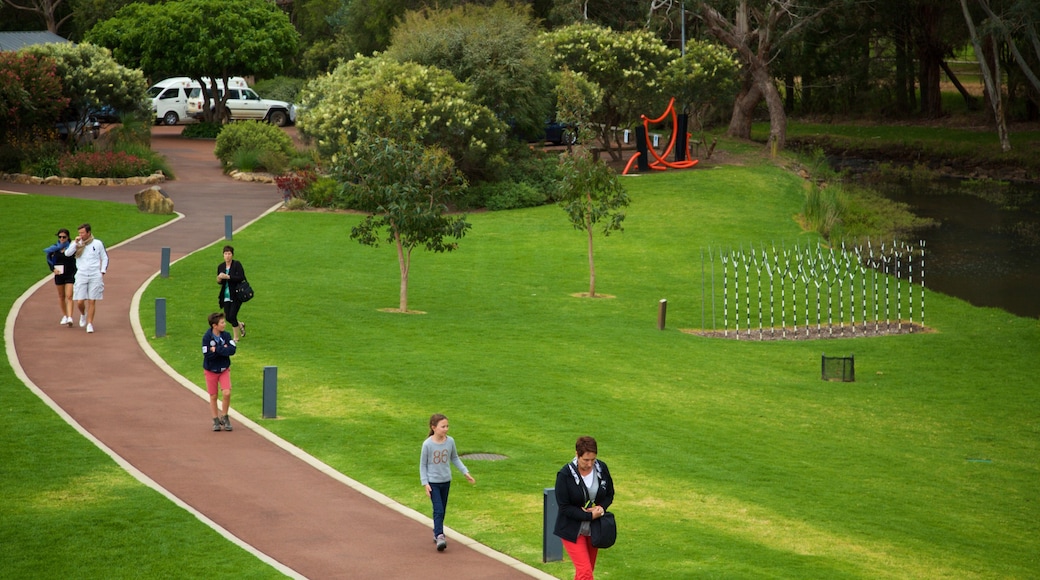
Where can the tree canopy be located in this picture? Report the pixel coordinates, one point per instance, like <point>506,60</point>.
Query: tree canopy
<point>405,187</point>
<point>426,103</point>
<point>627,66</point>
<point>91,79</point>
<point>492,49</point>
<point>200,39</point>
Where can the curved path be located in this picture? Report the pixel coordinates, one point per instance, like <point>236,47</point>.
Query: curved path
<point>141,413</point>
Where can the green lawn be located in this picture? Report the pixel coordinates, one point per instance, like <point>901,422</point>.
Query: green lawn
<point>67,510</point>
<point>731,459</point>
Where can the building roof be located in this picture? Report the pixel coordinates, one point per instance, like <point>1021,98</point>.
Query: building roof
<point>18,40</point>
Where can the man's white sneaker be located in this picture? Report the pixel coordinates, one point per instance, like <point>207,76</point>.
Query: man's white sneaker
<point>82,320</point>
<point>90,328</point>
<point>64,320</point>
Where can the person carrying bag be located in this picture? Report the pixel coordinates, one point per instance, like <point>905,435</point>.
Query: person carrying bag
<point>584,490</point>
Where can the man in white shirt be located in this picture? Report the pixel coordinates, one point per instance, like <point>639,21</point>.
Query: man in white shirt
<point>91,265</point>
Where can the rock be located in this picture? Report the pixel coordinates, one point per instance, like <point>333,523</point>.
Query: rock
<point>154,178</point>
<point>52,180</point>
<point>153,200</point>
<point>69,181</point>
<point>91,181</point>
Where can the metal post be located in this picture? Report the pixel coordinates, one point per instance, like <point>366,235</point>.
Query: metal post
<point>227,227</point>
<point>164,263</point>
<point>270,402</point>
<point>642,162</point>
<point>662,311</point>
<point>552,546</point>
<point>160,317</point>
<point>682,139</point>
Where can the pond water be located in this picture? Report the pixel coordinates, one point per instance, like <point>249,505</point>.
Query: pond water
<point>981,252</point>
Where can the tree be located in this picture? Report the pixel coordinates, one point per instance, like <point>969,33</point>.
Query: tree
<point>576,100</point>
<point>405,186</point>
<point>492,49</point>
<point>592,195</point>
<point>49,10</point>
<point>435,109</point>
<point>991,78</point>
<point>201,39</point>
<point>627,66</point>
<point>91,79</point>
<point>702,79</point>
<point>757,33</point>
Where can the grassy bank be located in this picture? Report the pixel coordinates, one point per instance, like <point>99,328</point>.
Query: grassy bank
<point>731,459</point>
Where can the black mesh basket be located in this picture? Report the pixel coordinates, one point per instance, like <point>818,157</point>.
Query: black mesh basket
<point>838,368</point>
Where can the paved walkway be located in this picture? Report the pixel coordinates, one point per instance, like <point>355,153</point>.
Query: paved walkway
<point>287,507</point>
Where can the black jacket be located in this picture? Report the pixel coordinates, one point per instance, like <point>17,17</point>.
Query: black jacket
<point>570,497</point>
<point>237,273</point>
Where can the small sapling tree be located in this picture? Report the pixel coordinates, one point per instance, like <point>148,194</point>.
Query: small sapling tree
<point>405,187</point>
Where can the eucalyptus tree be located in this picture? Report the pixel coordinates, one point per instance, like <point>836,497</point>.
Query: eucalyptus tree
<point>757,30</point>
<point>405,188</point>
<point>493,49</point>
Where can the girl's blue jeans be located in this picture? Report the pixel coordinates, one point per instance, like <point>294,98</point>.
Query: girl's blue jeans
<point>439,497</point>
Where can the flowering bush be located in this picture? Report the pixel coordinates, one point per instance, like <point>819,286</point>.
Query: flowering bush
<point>102,164</point>
<point>292,185</point>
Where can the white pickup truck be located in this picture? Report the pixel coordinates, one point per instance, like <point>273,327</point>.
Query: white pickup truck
<point>243,103</point>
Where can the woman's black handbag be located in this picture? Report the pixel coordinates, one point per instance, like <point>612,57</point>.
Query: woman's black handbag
<point>604,531</point>
<point>243,292</point>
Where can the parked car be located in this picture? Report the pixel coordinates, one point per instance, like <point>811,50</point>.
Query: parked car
<point>560,133</point>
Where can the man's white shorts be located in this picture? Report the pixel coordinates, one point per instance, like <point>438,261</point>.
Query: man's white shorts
<point>88,288</point>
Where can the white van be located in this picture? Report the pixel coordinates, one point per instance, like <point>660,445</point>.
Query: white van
<point>170,98</point>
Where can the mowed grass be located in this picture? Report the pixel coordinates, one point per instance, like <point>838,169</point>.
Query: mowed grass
<point>731,459</point>
<point>67,510</point>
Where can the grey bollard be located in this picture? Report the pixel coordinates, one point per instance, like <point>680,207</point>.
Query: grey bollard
<point>160,317</point>
<point>552,546</point>
<point>270,393</point>
<point>164,263</point>
<point>662,312</point>
<point>227,227</point>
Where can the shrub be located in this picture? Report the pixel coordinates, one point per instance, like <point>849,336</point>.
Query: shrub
<point>274,161</point>
<point>292,185</point>
<point>245,160</point>
<point>43,167</point>
<point>252,135</point>
<point>156,162</point>
<point>296,204</point>
<point>202,130</point>
<point>508,195</point>
<point>322,192</point>
<point>279,88</point>
<point>102,164</point>
<point>18,152</point>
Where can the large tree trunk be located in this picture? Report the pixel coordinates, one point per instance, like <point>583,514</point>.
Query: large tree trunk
<point>775,104</point>
<point>744,111</point>
<point>991,79</point>
<point>929,55</point>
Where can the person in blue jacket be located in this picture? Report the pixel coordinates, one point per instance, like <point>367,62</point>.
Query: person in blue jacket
<point>217,350</point>
<point>64,269</point>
